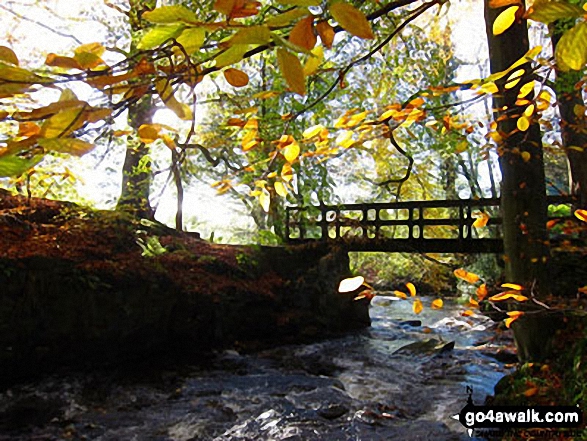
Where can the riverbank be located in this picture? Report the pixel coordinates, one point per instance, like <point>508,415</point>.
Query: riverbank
<point>84,288</point>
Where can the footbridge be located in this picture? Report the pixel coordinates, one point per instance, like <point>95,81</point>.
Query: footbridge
<point>439,226</point>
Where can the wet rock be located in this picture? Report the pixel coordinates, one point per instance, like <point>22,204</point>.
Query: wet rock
<point>30,411</point>
<point>429,346</point>
<point>332,411</point>
<point>411,323</point>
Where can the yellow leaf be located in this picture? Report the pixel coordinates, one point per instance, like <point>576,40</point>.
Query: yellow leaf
<point>236,78</point>
<point>467,313</point>
<point>350,284</point>
<point>8,56</point>
<point>326,33</point>
<point>310,132</point>
<point>529,111</point>
<point>149,133</point>
<point>579,110</point>
<point>287,172</point>
<point>437,304</point>
<point>72,146</point>
<point>302,34</point>
<point>543,100</point>
<point>265,200</point>
<point>523,123</point>
<point>489,88</point>
<point>481,221</point>
<point>291,151</point>
<point>280,188</point>
<point>352,20</point>
<point>571,50</point>
<point>411,288</point>
<point>526,156</point>
<point>508,295</point>
<point>345,139</point>
<point>417,306</point>
<point>473,303</point>
<point>165,91</point>
<point>526,89</point>
<point>504,20</point>
<point>513,316</point>
<point>63,123</point>
<point>224,6</point>
<point>169,14</point>
<point>314,61</point>
<point>482,292</point>
<point>400,294</point>
<point>581,215</point>
<point>251,35</point>
<point>292,71</point>
<point>466,276</point>
<point>192,39</point>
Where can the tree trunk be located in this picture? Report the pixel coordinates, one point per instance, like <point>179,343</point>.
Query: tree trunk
<point>523,192</point>
<point>573,127</point>
<point>136,171</point>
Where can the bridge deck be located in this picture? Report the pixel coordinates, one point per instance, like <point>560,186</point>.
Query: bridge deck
<point>441,226</point>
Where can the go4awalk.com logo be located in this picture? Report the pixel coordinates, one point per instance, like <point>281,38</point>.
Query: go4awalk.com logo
<point>518,417</point>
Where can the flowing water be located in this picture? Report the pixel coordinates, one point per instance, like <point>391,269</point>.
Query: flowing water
<point>351,388</point>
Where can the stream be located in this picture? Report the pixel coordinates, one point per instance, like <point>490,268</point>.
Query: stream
<point>356,387</point>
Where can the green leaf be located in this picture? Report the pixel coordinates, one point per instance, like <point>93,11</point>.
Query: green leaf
<point>160,34</point>
<point>232,55</point>
<point>192,39</point>
<point>287,17</point>
<point>571,50</point>
<point>12,165</point>
<point>546,11</point>
<point>170,14</point>
<point>251,35</point>
<point>72,146</point>
<point>300,2</point>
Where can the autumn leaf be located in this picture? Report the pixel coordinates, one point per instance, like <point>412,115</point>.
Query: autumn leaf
<point>300,2</point>
<point>514,286</point>
<point>149,133</point>
<point>236,78</point>
<point>71,146</point>
<point>400,294</point>
<point>310,132</point>
<point>466,276</point>
<point>265,200</point>
<point>481,221</point>
<point>482,292</point>
<point>292,70</point>
<point>291,151</point>
<point>287,17</point>
<point>513,316</point>
<point>251,35</point>
<point>437,304</point>
<point>158,35</point>
<point>548,11</point>
<point>581,215</point>
<point>350,284</point>
<point>411,288</point>
<point>508,295</point>
<point>467,313</point>
<point>417,306</point>
<point>280,188</point>
<point>170,14</point>
<point>165,90</point>
<point>571,50</point>
<point>505,20</point>
<point>523,123</point>
<point>352,20</point>
<point>8,56</point>
<point>302,34</point>
<point>326,33</point>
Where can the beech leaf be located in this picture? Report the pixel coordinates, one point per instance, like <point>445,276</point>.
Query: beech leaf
<point>505,20</point>
<point>292,71</point>
<point>352,20</point>
<point>350,284</point>
<point>236,78</point>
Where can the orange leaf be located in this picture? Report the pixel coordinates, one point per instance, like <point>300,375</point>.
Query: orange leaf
<point>437,304</point>
<point>411,288</point>
<point>302,34</point>
<point>531,391</point>
<point>61,61</point>
<point>513,316</point>
<point>512,286</point>
<point>481,221</point>
<point>400,294</point>
<point>417,306</point>
<point>365,295</point>
<point>466,276</point>
<point>581,215</point>
<point>508,295</point>
<point>352,20</point>
<point>467,313</point>
<point>482,292</point>
<point>236,78</point>
<point>326,33</point>
<point>473,303</point>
